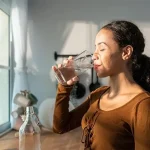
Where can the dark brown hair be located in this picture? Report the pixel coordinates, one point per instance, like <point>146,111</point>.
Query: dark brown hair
<point>127,33</point>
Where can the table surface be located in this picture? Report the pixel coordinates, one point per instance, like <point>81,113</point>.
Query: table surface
<point>49,141</point>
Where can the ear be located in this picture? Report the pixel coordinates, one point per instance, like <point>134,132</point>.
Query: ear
<point>127,52</point>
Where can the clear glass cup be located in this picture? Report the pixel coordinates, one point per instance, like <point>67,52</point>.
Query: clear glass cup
<point>76,67</point>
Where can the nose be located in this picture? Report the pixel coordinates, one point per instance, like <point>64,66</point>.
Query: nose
<point>94,57</point>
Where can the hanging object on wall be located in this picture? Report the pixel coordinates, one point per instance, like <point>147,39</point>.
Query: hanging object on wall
<point>93,86</point>
<point>78,90</point>
<point>56,56</point>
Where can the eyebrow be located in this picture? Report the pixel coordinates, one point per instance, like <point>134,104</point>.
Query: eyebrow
<point>101,43</point>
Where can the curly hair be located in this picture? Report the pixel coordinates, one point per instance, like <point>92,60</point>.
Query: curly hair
<point>126,33</point>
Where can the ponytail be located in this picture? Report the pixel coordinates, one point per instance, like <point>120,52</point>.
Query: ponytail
<point>141,70</point>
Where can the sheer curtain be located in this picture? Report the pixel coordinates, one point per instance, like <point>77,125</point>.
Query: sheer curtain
<point>19,20</point>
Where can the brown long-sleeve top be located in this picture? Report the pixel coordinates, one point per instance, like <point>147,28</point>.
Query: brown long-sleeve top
<point>124,128</point>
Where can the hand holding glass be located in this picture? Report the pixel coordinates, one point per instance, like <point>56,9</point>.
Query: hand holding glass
<point>74,67</point>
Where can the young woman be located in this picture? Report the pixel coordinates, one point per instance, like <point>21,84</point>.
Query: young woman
<point>117,116</point>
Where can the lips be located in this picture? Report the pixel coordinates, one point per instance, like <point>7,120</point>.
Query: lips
<point>96,66</point>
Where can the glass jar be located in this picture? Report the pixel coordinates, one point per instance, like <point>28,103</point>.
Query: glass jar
<point>29,132</point>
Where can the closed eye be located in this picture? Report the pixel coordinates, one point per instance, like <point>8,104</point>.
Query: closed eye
<point>102,49</point>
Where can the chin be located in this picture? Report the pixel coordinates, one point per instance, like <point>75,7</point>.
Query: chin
<point>101,75</point>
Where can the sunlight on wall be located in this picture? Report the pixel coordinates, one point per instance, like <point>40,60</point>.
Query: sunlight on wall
<point>81,37</point>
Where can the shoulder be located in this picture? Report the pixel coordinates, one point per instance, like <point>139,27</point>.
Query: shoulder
<point>141,117</point>
<point>142,105</point>
<point>143,98</point>
<point>144,102</point>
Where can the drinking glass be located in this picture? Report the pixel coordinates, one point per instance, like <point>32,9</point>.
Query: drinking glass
<point>75,67</point>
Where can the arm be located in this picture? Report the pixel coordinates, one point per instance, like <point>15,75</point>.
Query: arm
<point>142,125</point>
<point>63,119</point>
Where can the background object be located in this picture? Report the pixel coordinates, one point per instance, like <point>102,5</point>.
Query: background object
<point>46,111</point>
<point>78,90</point>
<point>91,86</point>
<point>29,132</point>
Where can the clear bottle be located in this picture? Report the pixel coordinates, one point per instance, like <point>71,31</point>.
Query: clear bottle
<point>29,132</point>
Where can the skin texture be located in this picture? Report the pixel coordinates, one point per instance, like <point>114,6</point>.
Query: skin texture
<point>107,55</point>
<point>112,61</point>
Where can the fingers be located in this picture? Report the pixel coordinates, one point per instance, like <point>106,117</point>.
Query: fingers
<point>54,68</point>
<point>73,81</point>
<point>68,61</point>
<point>70,58</point>
<point>59,65</point>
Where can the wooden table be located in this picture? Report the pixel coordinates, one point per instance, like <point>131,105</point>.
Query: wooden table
<point>49,141</point>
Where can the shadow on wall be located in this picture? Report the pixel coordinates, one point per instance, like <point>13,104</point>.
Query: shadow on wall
<point>69,27</point>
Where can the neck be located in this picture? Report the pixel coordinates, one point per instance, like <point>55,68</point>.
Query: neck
<point>121,84</point>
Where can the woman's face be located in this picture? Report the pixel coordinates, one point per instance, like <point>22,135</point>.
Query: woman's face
<point>107,56</point>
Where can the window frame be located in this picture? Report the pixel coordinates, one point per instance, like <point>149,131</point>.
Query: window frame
<point>7,126</point>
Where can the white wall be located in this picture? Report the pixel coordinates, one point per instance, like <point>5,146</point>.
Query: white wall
<point>68,27</point>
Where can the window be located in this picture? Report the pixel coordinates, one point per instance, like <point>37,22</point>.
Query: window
<point>5,68</point>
